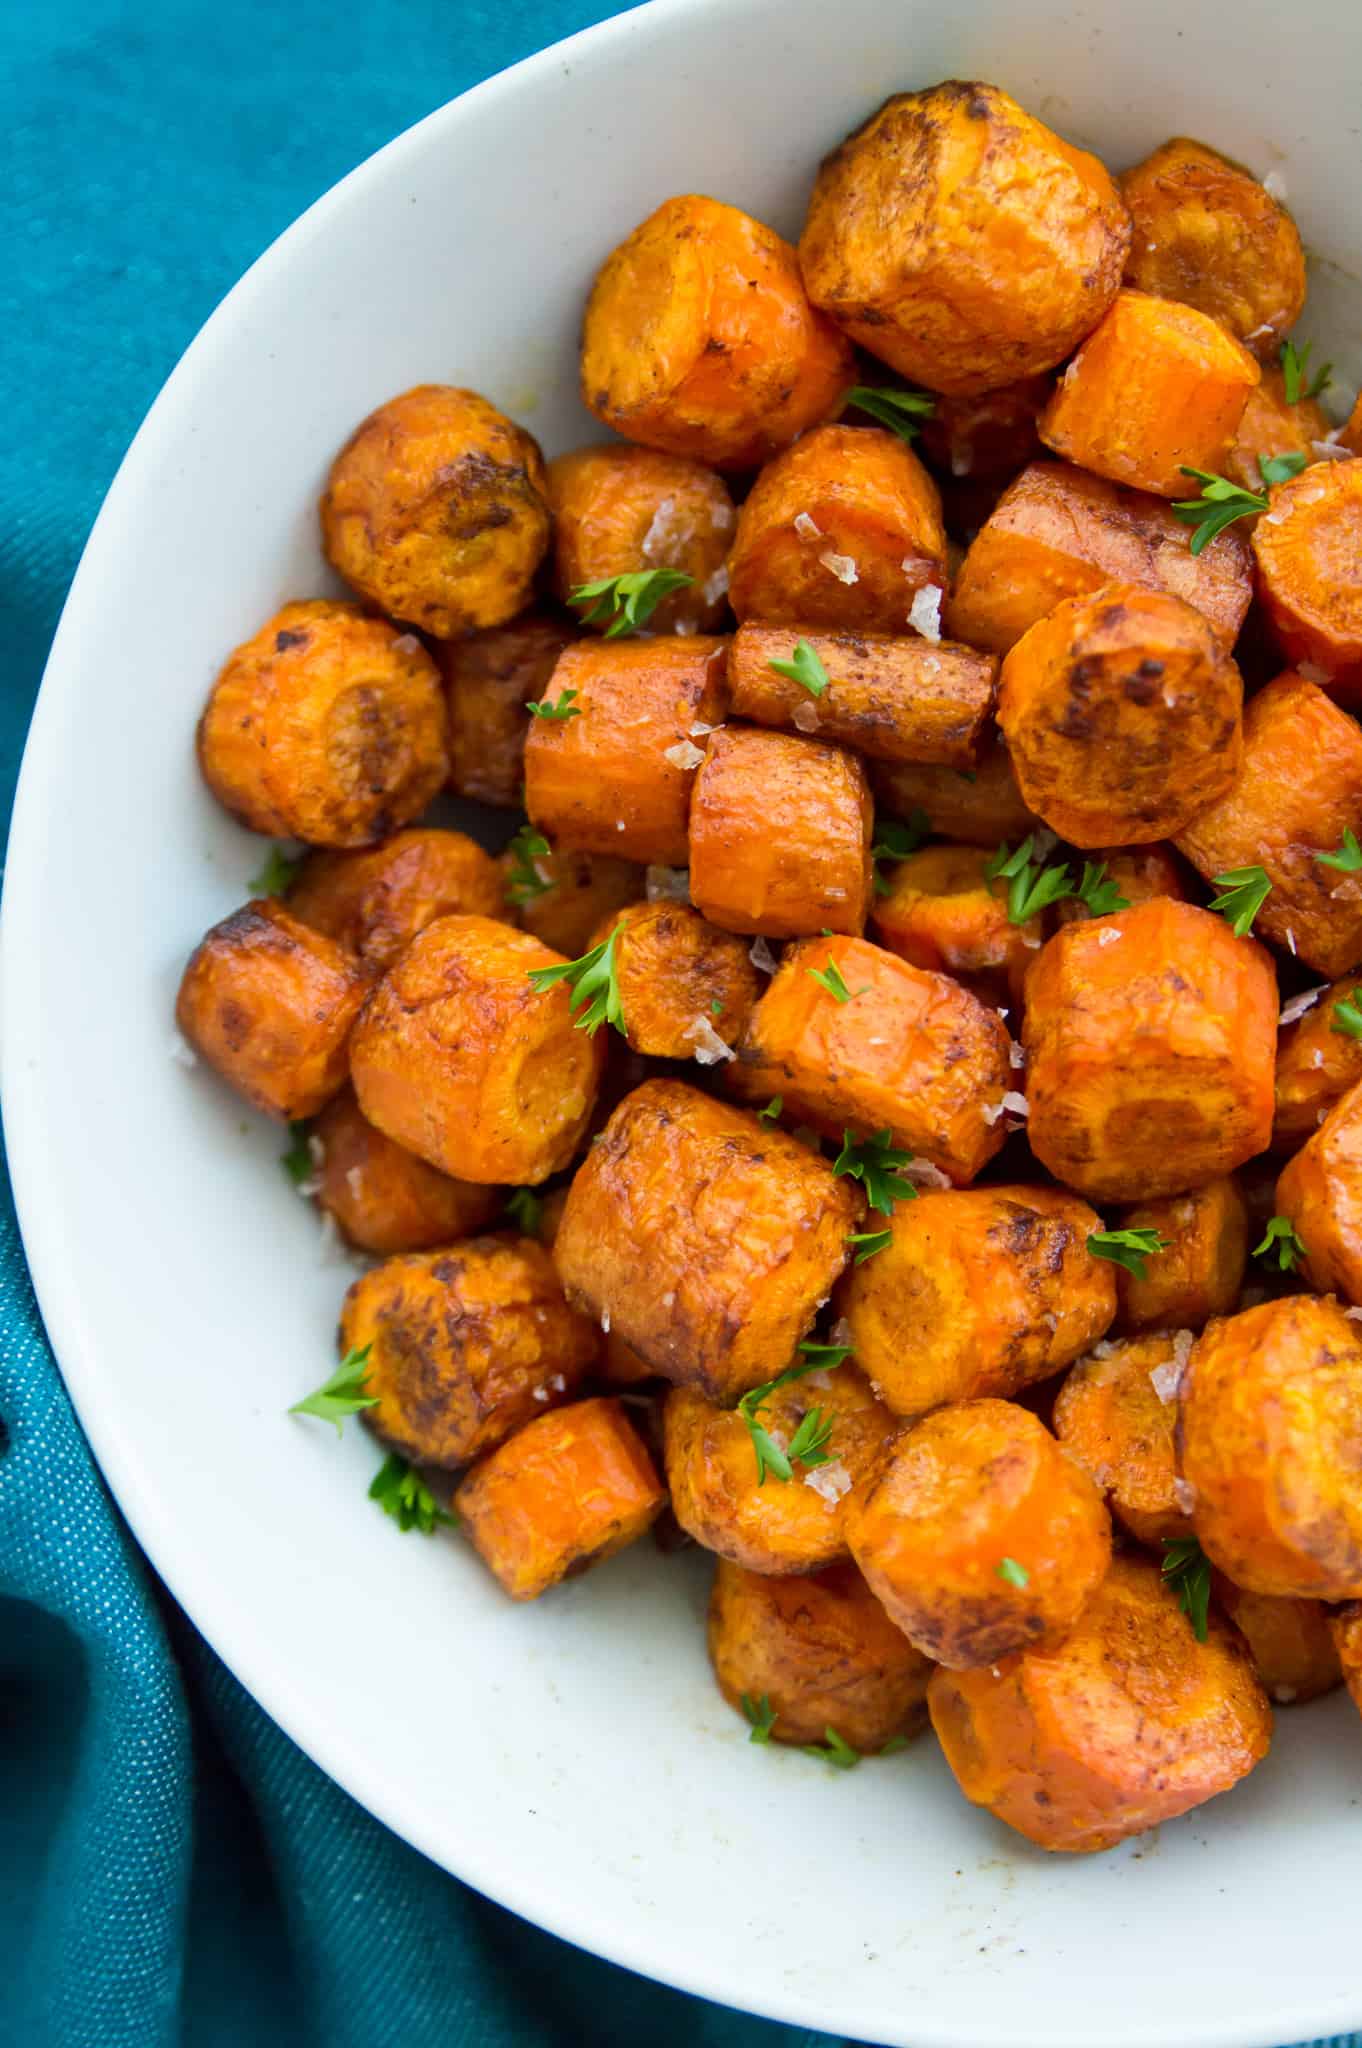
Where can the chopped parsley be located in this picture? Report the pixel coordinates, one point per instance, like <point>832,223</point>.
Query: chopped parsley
<point>1031,887</point>
<point>562,706</point>
<point>1098,891</point>
<point>1297,380</point>
<point>402,1493</point>
<point>760,1716</point>
<point>833,1750</point>
<point>592,981</point>
<point>1348,858</point>
<point>278,874</point>
<point>1347,1015</point>
<point>1187,1569</point>
<point>1244,891</point>
<point>771,1113</point>
<point>830,978</point>
<point>1128,1248</point>
<point>343,1394</point>
<point>1221,502</point>
<point>627,601</point>
<point>524,1207</point>
<point>298,1162</point>
<point>895,841</point>
<point>808,1444</point>
<point>523,879</point>
<point>1015,1574</point>
<point>805,668</point>
<point>870,1242</point>
<point>902,411</point>
<point>1281,1239</point>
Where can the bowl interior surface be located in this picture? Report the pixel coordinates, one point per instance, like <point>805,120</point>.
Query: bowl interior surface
<point>571,1759</point>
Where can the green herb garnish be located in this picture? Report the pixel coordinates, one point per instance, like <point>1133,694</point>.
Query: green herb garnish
<point>833,1750</point>
<point>1187,1569</point>
<point>805,668</point>
<point>402,1493</point>
<point>870,1242</point>
<point>1101,895</point>
<point>523,879</point>
<point>298,1162</point>
<point>903,411</point>
<point>830,978</point>
<point>895,841</point>
<point>1348,858</point>
<point>1297,381</point>
<point>343,1394</point>
<point>524,1207</point>
<point>1347,1015</point>
<point>1128,1248</point>
<point>1281,1237</point>
<point>761,1717</point>
<point>562,706</point>
<point>1244,891</point>
<point>807,1445</point>
<point>278,874</point>
<point>1015,1574</point>
<point>1031,887</point>
<point>771,1113</point>
<point>874,1162</point>
<point>1222,502</point>
<point>627,601</point>
<point>592,981</point>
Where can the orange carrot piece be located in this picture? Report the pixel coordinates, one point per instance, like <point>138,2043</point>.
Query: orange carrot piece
<point>1320,1194</point>
<point>489,679</point>
<point>1199,1273</point>
<point>1345,1626</point>
<point>1138,873</point>
<point>1271,426</point>
<point>682,982</point>
<point>374,901</point>
<point>1290,1641</point>
<point>979,806</point>
<point>1316,1064</point>
<point>617,510</point>
<point>579,892</point>
<point>1307,546</point>
<point>385,1199</point>
<point>894,697</point>
<point>990,435</point>
<point>942,911</point>
<point>1118,1420</point>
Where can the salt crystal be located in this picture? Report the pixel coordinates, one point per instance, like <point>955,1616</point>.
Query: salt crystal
<point>309,1187</point>
<point>1291,938</point>
<point>923,1174</point>
<point>991,1111</point>
<point>700,730</point>
<point>1184,1495</point>
<point>1002,1013</point>
<point>841,1331</point>
<point>182,1052</point>
<point>1312,672</point>
<point>685,627</point>
<point>685,754</point>
<point>667,885</point>
<point>709,1047</point>
<point>1275,185</point>
<point>316,1149</point>
<point>1166,1380</point>
<point>761,956</point>
<point>354,1180</point>
<point>1284,1694</point>
<point>805,715</point>
<point>1298,1005</point>
<point>1317,1058</point>
<point>406,643</point>
<point>1016,1055</point>
<point>1015,1104</point>
<point>1105,1348</point>
<point>722,517</point>
<point>605,1321</point>
<point>1331,451</point>
<point>924,614</point>
<point>805,527</point>
<point>558,1383</point>
<point>1354,1315</point>
<point>1183,1340</point>
<point>831,1481</point>
<point>843,567</point>
<point>540,1393</point>
<point>1107,937</point>
<point>1261,332</point>
<point>717,586</point>
<point>661,531</point>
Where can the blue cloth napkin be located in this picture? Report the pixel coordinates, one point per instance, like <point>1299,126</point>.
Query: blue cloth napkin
<point>172,1869</point>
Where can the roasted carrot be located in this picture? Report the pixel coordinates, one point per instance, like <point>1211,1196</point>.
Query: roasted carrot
<point>270,1004</point>
<point>489,678</point>
<point>373,902</point>
<point>1128,1722</point>
<point>464,1345</point>
<point>843,532</point>
<point>979,1535</point>
<point>1345,1626</point>
<point>462,1060</point>
<point>1116,1413</point>
<point>989,435</point>
<point>707,1238</point>
<point>699,339</point>
<point>1156,389</point>
<point>1057,532</point>
<point>1318,1060</point>
<point>1271,1444</point>
<point>815,1651</point>
<point>735,1505</point>
<point>1272,425</point>
<point>1290,1642</point>
<point>1200,1269</point>
<point>898,698</point>
<point>620,1364</point>
<point>979,806</point>
<point>961,241</point>
<point>942,910</point>
<point>326,726</point>
<point>1137,873</point>
<point>1320,1194</point>
<point>1207,233</point>
<point>850,1035</point>
<point>620,510</point>
<point>571,1489</point>
<point>436,511</point>
<point>1306,547</point>
<point>615,776</point>
<point>563,896</point>
<point>814,873</point>
<point>1121,712</point>
<point>383,1198</point>
<point>686,989</point>
<point>1298,790</point>
<point>1149,1039</point>
<point>980,1292</point>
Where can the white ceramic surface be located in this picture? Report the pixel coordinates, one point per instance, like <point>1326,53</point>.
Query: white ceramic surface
<point>572,1759</point>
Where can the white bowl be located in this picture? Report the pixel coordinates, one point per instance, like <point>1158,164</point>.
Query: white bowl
<point>572,1760</point>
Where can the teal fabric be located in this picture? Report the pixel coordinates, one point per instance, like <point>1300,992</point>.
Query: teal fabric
<point>172,1869</point>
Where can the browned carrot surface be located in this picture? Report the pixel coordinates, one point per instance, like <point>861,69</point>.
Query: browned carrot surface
<point>894,697</point>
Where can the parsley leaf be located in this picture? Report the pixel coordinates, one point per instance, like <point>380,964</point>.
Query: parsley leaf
<point>830,978</point>
<point>1188,1571</point>
<point>277,876</point>
<point>904,411</point>
<point>828,1356</point>
<point>807,1443</point>
<point>562,706</point>
<point>1348,858</point>
<point>833,1750</point>
<point>761,1716</point>
<point>1015,1574</point>
<point>524,1207</point>
<point>1347,1015</point>
<point>894,841</point>
<point>343,1394</point>
<point>1222,502</point>
<point>870,1242</point>
<point>895,1742</point>
<point>402,1493</point>
<point>1031,888</point>
<point>1101,895</point>
<point>1244,892</point>
<point>804,667</point>
<point>298,1162</point>
<point>523,879</point>
<point>1128,1248</point>
<point>874,1162</point>
<point>592,981</point>
<point>771,1113</point>
<point>627,601</point>
<point>1281,1238</point>
<point>1297,382</point>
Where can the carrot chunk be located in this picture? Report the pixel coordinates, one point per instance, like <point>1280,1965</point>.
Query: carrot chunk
<point>944,912</point>
<point>980,1292</point>
<point>1116,1413</point>
<point>1307,546</point>
<point>843,531</point>
<point>489,679</point>
<point>1320,1194</point>
<point>1209,234</point>
<point>699,339</point>
<point>1138,873</point>
<point>1298,790</point>
<point>374,901</point>
<point>1290,1641</point>
<point>892,697</point>
<point>848,1034</point>
<point>571,1489</point>
<point>813,873</point>
<point>961,240</point>
<point>326,726</point>
<point>1150,1039</point>
<point>979,806</point>
<point>620,510</point>
<point>683,984</point>
<point>732,1505</point>
<point>616,778</point>
<point>1121,712</point>
<point>464,1345</point>
<point>1130,1721</point>
<point>706,1238</point>
<point>806,1654</point>
<point>1271,1444</point>
<point>271,1004</point>
<point>1058,532</point>
<point>1156,389</point>
<point>1317,1062</point>
<point>989,435</point>
<point>1199,1272</point>
<point>383,1198</point>
<point>564,896</point>
<point>1273,426</point>
<point>462,1060</point>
